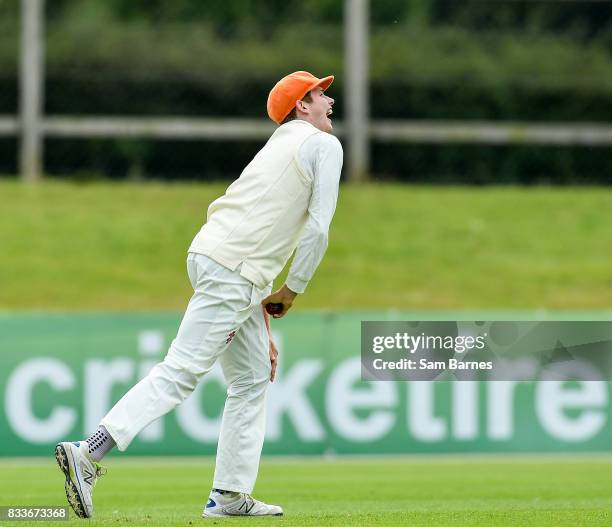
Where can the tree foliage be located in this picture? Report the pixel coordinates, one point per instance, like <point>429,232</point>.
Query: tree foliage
<point>429,59</point>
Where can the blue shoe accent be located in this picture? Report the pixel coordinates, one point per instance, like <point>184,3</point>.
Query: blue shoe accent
<point>76,443</point>
<point>211,503</point>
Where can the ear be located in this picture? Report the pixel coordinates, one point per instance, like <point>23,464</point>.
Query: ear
<point>301,106</point>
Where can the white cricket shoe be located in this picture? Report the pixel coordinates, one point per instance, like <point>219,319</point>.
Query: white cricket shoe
<point>81,474</point>
<point>238,504</point>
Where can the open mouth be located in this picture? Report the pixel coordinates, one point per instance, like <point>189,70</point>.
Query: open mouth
<point>329,112</point>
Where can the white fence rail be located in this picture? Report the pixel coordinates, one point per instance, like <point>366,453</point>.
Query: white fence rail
<point>475,132</point>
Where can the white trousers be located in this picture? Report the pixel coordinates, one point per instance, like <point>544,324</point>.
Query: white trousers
<point>224,320</point>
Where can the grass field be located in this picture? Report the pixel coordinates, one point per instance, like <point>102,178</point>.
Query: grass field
<point>117,246</point>
<point>456,491</point>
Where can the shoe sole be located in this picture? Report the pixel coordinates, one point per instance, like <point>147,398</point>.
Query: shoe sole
<point>72,492</point>
<point>207,514</point>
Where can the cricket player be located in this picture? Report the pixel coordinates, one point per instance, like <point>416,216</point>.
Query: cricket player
<point>283,202</point>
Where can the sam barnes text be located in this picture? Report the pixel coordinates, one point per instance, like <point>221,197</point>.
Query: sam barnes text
<point>424,364</point>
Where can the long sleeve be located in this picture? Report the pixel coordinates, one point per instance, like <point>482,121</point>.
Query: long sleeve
<point>321,159</point>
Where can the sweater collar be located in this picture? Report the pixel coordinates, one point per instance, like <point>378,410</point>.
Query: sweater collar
<point>302,122</point>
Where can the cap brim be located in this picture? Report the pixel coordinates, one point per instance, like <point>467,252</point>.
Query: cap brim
<point>323,83</point>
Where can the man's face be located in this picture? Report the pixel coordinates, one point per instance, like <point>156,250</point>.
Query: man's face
<point>318,111</point>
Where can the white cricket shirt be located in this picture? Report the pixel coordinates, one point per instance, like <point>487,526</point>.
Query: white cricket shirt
<point>320,156</point>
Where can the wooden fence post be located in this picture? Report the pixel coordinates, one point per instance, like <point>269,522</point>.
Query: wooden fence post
<point>31,89</point>
<point>356,79</point>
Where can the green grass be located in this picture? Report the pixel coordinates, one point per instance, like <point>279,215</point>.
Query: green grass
<point>109,246</point>
<point>457,491</point>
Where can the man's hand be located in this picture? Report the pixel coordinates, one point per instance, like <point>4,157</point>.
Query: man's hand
<point>283,296</point>
<point>273,359</point>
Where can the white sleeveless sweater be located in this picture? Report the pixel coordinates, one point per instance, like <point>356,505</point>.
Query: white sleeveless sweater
<point>259,220</point>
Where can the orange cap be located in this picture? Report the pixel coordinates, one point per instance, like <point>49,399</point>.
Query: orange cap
<point>291,89</point>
